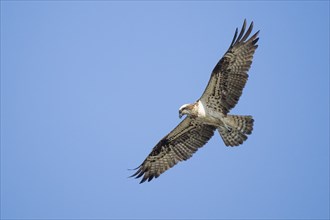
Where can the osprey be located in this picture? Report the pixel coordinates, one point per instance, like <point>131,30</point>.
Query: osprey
<point>210,112</point>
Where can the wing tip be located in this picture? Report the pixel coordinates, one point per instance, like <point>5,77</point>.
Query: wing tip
<point>243,35</point>
<point>138,173</point>
<point>234,38</point>
<point>143,173</point>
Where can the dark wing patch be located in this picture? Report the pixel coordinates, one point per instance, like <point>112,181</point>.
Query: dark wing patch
<point>180,144</point>
<point>229,76</point>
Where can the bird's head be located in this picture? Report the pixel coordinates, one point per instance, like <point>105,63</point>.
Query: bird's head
<point>185,110</point>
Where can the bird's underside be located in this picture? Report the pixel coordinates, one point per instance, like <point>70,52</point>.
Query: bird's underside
<point>210,112</point>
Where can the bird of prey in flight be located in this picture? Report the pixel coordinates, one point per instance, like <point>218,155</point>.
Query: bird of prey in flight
<point>210,112</point>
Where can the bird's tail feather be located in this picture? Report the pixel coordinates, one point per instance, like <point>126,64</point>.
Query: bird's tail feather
<point>236,129</point>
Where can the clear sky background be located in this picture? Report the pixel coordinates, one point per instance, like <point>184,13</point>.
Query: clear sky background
<point>88,88</point>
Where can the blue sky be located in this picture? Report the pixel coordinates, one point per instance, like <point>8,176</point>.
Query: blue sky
<point>88,88</point>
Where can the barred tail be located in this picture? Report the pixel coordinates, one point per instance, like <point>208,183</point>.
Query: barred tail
<point>236,129</point>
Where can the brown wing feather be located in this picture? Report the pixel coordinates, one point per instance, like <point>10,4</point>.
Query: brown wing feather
<point>178,145</point>
<point>229,76</point>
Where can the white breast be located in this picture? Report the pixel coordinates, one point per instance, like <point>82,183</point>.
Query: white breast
<point>201,109</point>
<point>208,116</point>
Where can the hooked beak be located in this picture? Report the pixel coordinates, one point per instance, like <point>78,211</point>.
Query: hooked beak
<point>180,114</point>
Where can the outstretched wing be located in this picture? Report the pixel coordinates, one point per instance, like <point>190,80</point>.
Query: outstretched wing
<point>229,76</point>
<point>178,145</point>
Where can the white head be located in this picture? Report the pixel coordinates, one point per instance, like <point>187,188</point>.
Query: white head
<point>185,110</point>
